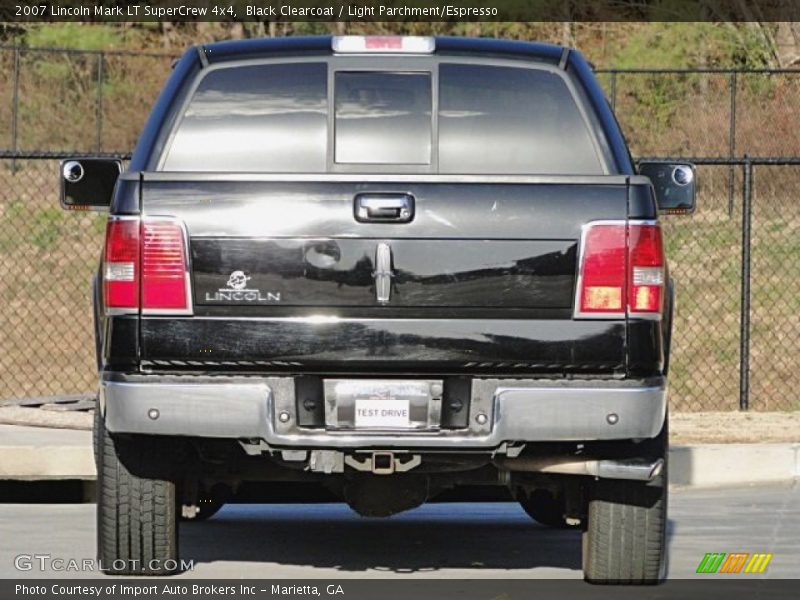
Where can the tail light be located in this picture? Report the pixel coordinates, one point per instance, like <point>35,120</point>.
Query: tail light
<point>646,279</point>
<point>146,267</point>
<point>121,265</point>
<point>621,270</point>
<point>164,268</point>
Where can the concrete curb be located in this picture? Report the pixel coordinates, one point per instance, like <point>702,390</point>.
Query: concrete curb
<point>709,465</point>
<point>32,453</point>
<point>34,463</point>
<point>39,453</point>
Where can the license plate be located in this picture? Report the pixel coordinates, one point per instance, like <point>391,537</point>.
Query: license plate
<point>374,412</point>
<point>412,404</point>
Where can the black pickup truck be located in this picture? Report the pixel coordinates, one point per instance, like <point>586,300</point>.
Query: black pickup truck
<point>389,266</point>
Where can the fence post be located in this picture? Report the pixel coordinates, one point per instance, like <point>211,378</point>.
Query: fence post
<point>15,108</point>
<point>732,142</point>
<point>613,90</point>
<point>744,336</point>
<point>99,102</point>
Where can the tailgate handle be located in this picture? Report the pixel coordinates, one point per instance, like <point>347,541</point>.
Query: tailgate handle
<point>384,208</point>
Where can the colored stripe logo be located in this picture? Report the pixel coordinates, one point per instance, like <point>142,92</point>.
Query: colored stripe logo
<point>734,563</point>
<point>758,563</point>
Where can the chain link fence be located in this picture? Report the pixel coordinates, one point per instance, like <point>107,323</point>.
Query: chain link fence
<point>76,100</point>
<point>775,289</point>
<point>47,257</point>
<point>737,271</point>
<point>736,261</point>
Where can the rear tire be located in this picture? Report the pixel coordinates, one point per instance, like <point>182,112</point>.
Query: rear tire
<point>137,528</point>
<point>625,538</point>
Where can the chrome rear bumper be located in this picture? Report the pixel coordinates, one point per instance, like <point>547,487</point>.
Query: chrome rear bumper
<point>501,410</point>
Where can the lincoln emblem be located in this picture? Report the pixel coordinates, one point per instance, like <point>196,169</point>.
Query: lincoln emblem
<point>383,273</point>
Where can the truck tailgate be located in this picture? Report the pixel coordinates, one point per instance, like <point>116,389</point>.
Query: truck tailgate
<point>484,274</point>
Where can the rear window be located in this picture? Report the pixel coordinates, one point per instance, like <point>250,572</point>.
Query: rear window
<point>265,118</point>
<point>505,120</point>
<point>483,119</point>
<point>383,118</point>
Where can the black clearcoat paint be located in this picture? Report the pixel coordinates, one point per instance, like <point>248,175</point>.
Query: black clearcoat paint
<point>339,272</point>
<point>384,345</point>
<point>121,343</point>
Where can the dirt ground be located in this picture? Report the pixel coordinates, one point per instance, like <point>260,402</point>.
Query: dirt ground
<point>734,427</point>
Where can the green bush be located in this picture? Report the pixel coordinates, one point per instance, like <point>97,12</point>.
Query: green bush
<point>74,35</point>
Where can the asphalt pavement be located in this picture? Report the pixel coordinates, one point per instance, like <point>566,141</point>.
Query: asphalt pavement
<point>469,540</point>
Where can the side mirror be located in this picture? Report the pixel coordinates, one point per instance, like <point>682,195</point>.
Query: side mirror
<point>88,183</point>
<point>675,185</point>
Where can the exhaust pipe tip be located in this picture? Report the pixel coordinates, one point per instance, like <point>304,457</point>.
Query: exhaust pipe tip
<point>637,469</point>
<point>658,468</point>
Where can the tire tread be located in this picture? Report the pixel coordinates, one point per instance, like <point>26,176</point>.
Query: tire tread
<point>625,537</point>
<point>136,516</point>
